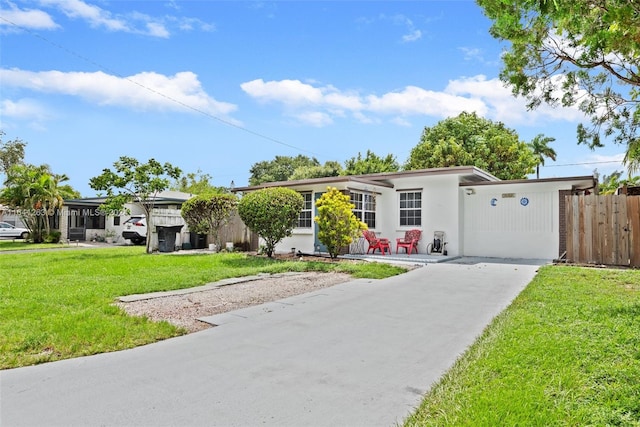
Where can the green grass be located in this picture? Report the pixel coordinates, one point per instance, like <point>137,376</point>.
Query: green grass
<point>21,245</point>
<point>565,353</point>
<point>59,304</point>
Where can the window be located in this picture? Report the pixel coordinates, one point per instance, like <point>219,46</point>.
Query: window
<point>305,220</point>
<point>365,208</point>
<point>411,208</point>
<point>116,220</point>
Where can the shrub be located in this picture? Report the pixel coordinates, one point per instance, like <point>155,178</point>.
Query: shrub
<point>53,237</point>
<point>272,213</point>
<point>207,213</point>
<point>337,225</point>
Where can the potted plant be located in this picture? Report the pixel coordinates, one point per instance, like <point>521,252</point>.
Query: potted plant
<point>109,235</point>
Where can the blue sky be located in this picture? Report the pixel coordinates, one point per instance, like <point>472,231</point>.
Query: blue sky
<point>217,86</point>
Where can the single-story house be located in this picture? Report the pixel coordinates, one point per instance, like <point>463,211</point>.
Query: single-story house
<point>82,219</point>
<point>480,214</point>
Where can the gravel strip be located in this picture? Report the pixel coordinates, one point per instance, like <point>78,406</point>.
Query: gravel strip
<point>183,310</point>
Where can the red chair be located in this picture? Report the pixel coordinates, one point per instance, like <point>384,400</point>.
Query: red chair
<point>409,242</point>
<point>376,242</point>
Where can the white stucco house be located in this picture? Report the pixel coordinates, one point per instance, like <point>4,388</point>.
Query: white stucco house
<point>480,214</point>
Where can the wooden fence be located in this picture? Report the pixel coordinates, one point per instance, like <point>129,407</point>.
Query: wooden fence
<point>234,231</point>
<point>603,230</point>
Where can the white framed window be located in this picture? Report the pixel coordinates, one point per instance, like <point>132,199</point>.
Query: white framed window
<point>305,220</point>
<point>365,207</point>
<point>410,208</point>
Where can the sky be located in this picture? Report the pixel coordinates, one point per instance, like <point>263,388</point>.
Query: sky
<point>217,86</point>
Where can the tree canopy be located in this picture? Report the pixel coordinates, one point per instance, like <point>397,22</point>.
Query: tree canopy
<point>469,140</point>
<point>35,192</point>
<point>581,53</point>
<point>279,169</point>
<point>11,153</point>
<point>133,182</point>
<point>196,183</point>
<point>371,163</point>
<point>541,150</point>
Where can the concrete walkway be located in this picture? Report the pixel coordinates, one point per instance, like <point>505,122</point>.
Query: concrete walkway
<point>357,354</point>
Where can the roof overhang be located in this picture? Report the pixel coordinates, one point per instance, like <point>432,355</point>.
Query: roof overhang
<point>465,173</point>
<point>578,183</point>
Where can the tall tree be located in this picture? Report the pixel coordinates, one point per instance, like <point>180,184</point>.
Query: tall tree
<point>582,53</point>
<point>11,153</point>
<point>35,193</point>
<point>330,168</point>
<point>133,182</point>
<point>371,163</point>
<point>196,183</point>
<point>541,150</point>
<point>279,169</point>
<point>469,140</point>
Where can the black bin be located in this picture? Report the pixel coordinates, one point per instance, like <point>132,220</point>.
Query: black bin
<point>167,237</point>
<point>198,241</point>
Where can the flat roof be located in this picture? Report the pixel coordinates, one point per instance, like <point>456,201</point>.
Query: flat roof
<point>467,174</point>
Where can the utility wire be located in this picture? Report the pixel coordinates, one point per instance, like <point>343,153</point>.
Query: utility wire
<point>190,107</point>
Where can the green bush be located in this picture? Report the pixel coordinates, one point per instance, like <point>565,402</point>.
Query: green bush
<point>53,237</point>
<point>272,213</point>
<point>337,225</point>
<point>206,214</point>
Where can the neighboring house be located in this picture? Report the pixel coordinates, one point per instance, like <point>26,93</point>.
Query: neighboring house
<point>82,219</point>
<point>480,214</point>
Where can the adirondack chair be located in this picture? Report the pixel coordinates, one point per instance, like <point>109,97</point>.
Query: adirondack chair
<point>376,242</point>
<point>409,242</point>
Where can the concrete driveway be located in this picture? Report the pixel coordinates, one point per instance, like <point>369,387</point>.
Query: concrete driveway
<point>357,354</point>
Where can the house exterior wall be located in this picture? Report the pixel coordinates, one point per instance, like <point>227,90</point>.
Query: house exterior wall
<point>440,212</point>
<point>519,220</point>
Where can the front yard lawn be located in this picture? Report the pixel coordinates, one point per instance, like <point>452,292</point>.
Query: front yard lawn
<point>58,304</point>
<point>565,353</point>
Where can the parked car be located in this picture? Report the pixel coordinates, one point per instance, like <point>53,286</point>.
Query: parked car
<point>8,230</point>
<point>135,229</point>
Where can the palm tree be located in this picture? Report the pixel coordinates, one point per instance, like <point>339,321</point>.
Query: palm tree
<point>36,192</point>
<point>540,147</point>
<point>632,157</point>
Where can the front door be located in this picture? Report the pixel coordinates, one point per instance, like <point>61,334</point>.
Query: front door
<point>77,225</point>
<point>319,246</point>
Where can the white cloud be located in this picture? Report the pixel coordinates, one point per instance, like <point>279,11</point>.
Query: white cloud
<point>22,109</point>
<point>314,118</point>
<point>412,36</point>
<point>13,18</point>
<point>146,91</point>
<point>96,16</point>
<point>488,98</point>
<point>132,22</point>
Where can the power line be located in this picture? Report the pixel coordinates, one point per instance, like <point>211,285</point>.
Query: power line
<point>584,163</point>
<point>190,107</point>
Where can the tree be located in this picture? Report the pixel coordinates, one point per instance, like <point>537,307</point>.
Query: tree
<point>272,213</point>
<point>134,182</point>
<point>582,53</point>
<point>337,224</point>
<point>330,168</point>
<point>611,183</point>
<point>196,183</point>
<point>371,163</point>
<point>35,193</point>
<point>206,214</point>
<point>11,153</point>
<point>540,147</point>
<point>279,169</point>
<point>632,157</point>
<point>469,140</point>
